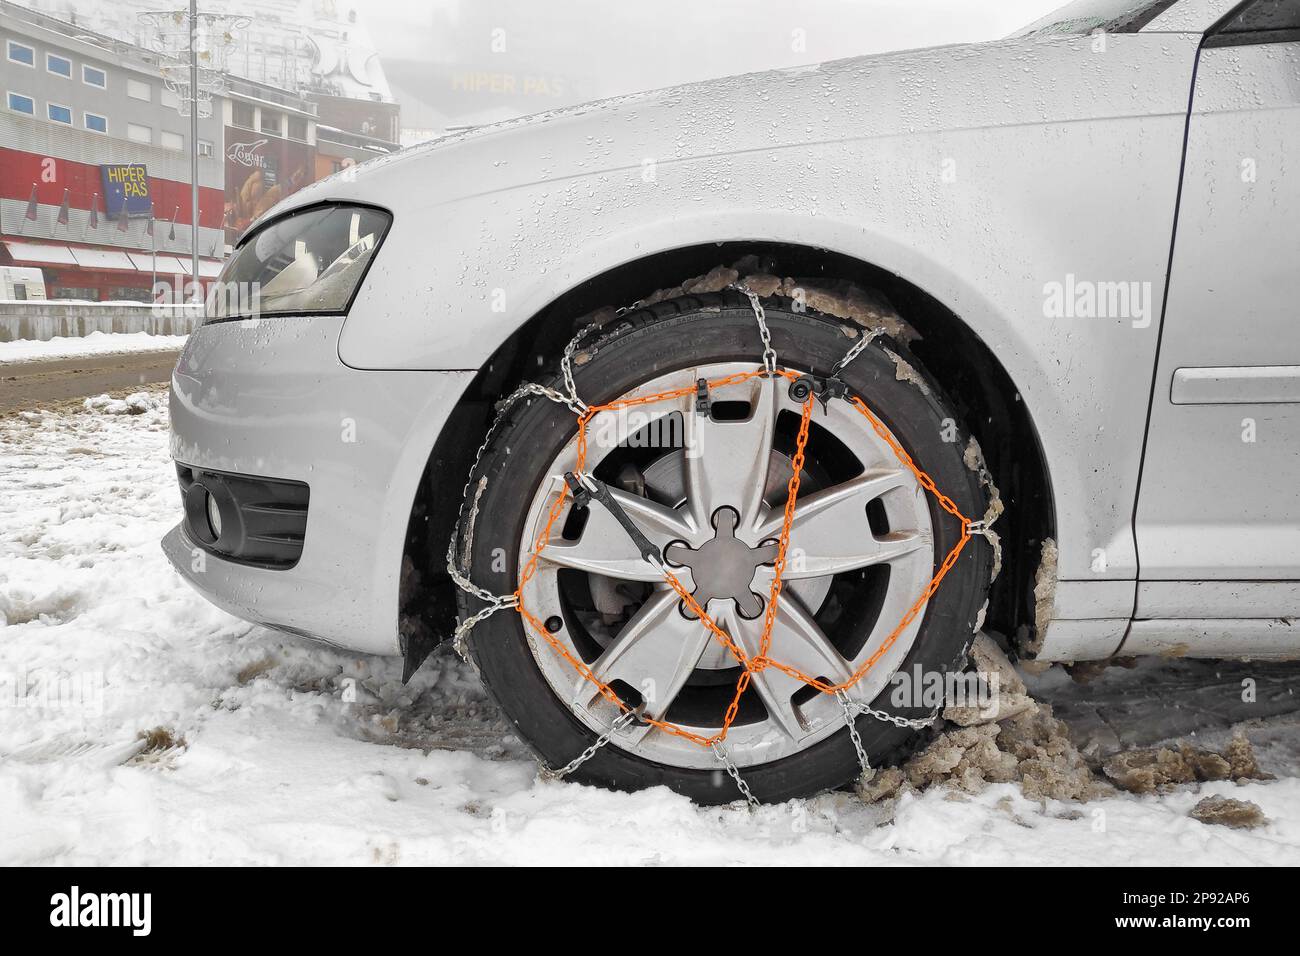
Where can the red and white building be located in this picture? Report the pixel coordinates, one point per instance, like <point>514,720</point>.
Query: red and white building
<point>73,103</point>
<point>77,101</point>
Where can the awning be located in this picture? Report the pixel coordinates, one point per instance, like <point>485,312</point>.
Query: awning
<point>51,254</point>
<point>39,254</point>
<point>167,264</point>
<point>208,268</point>
<point>103,259</point>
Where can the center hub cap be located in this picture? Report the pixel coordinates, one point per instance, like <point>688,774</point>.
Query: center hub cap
<point>724,566</point>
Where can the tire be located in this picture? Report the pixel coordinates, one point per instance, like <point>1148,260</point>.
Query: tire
<point>680,334</point>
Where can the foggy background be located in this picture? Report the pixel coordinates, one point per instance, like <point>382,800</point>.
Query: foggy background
<point>567,51</point>
<point>451,63</point>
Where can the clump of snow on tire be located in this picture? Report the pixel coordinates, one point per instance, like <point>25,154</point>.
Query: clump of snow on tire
<point>868,308</point>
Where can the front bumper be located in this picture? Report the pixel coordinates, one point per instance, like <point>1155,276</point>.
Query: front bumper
<point>272,399</point>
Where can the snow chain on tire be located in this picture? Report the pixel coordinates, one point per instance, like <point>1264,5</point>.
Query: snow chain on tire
<point>805,388</point>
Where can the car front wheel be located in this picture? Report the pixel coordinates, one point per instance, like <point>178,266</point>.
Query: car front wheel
<point>703,476</point>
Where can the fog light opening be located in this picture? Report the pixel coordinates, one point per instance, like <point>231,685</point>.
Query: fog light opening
<point>214,516</point>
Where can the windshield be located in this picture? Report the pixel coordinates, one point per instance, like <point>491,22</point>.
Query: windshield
<point>1085,16</point>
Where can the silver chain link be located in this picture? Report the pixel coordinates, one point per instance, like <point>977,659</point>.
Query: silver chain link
<point>856,349</point>
<point>907,723</point>
<point>850,719</point>
<point>985,530</point>
<point>503,406</point>
<point>496,602</point>
<point>578,406</point>
<point>625,718</point>
<point>460,635</point>
<point>574,404</point>
<point>733,772</point>
<point>769,353</point>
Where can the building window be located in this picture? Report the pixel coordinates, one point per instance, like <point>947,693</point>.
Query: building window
<point>58,65</point>
<point>22,104</point>
<point>205,148</point>
<point>58,114</point>
<point>21,53</point>
<point>298,128</point>
<point>139,134</point>
<point>95,123</point>
<point>170,140</point>
<point>241,114</point>
<point>271,123</point>
<point>128,294</point>
<point>139,90</point>
<point>84,293</point>
<point>93,77</point>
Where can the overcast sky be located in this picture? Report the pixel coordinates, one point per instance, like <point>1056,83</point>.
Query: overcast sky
<point>465,62</point>
<point>598,48</point>
<point>834,28</point>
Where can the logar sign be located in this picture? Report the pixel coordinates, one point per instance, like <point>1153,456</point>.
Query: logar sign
<point>260,171</point>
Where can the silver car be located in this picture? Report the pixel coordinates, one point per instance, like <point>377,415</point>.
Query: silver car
<point>773,391</point>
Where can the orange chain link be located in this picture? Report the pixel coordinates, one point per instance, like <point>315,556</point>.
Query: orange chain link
<point>749,666</point>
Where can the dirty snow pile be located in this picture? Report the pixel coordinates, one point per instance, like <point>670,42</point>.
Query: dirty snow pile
<point>1018,739</point>
<point>140,725</point>
<point>96,343</point>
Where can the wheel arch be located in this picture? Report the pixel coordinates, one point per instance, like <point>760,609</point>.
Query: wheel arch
<point>988,402</point>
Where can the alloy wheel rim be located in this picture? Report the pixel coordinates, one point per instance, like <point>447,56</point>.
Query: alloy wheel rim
<point>709,492</point>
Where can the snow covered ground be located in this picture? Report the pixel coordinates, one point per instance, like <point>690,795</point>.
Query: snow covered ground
<point>264,749</point>
<point>96,343</point>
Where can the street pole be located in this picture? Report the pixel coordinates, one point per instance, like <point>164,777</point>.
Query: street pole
<point>172,45</point>
<point>153,250</point>
<point>194,146</point>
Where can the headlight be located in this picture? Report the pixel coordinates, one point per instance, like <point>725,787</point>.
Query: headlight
<point>311,261</point>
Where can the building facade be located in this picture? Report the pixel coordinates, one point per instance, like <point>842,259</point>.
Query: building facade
<point>95,164</point>
<point>320,45</point>
<point>95,154</point>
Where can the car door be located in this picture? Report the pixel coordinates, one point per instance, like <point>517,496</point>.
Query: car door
<point>1218,516</point>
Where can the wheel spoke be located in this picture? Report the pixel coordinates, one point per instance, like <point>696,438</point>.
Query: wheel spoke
<point>654,654</point>
<point>888,548</point>
<point>839,506</point>
<point>797,642</point>
<point>604,546</point>
<point>916,568</point>
<point>831,532</point>
<point>727,462</point>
